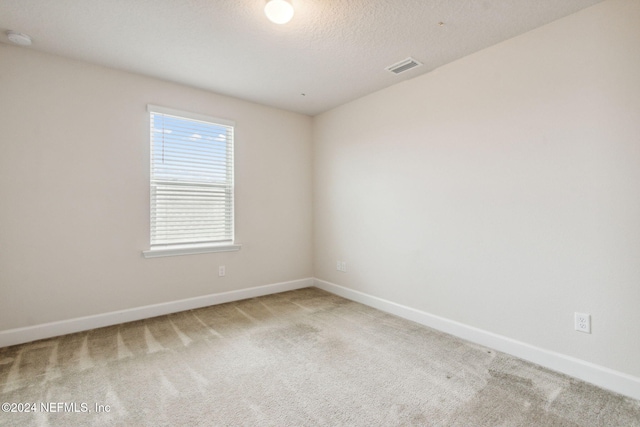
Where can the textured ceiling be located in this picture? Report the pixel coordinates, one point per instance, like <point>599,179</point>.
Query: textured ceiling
<point>333,51</point>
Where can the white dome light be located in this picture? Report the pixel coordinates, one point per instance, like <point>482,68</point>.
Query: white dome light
<point>279,11</point>
<point>19,38</point>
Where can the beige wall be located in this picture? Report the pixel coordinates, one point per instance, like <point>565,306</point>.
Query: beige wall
<point>501,191</point>
<point>74,193</point>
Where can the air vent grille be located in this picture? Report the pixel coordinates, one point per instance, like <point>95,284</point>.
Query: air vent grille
<point>403,66</point>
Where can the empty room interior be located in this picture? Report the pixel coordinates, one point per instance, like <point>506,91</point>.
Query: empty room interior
<point>320,212</point>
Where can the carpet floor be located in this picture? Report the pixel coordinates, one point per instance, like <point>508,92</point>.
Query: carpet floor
<point>300,358</point>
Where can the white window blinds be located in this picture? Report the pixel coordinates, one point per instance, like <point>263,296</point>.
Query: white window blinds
<point>191,179</point>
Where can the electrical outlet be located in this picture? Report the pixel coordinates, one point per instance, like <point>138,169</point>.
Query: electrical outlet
<point>343,266</point>
<point>583,322</point>
<point>221,271</point>
<point>338,266</point>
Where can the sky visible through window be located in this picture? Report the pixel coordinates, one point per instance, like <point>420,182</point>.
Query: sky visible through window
<point>189,151</point>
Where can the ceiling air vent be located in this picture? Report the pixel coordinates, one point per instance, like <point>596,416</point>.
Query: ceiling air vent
<point>403,66</point>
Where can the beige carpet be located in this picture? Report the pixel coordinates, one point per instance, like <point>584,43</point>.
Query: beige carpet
<point>300,358</point>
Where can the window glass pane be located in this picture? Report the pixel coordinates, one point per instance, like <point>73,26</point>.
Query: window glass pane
<point>191,181</point>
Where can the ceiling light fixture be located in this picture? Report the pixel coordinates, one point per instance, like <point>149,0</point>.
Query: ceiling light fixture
<point>19,38</point>
<point>279,11</point>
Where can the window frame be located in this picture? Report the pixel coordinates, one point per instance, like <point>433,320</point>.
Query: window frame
<point>163,250</point>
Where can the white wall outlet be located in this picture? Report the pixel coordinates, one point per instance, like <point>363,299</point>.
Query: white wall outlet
<point>221,271</point>
<point>583,322</point>
<point>343,266</point>
<point>338,266</point>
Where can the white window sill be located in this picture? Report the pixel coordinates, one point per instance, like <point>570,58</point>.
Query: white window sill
<point>175,250</point>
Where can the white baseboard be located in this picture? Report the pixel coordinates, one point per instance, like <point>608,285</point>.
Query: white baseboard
<point>618,382</point>
<point>53,329</point>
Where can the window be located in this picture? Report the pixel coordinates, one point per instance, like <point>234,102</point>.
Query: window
<point>191,183</point>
